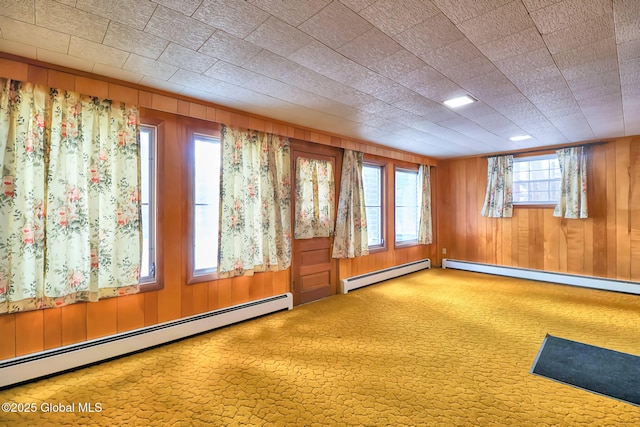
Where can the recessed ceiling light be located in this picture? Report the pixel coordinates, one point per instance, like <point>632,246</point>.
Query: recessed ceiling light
<point>459,101</point>
<point>520,137</point>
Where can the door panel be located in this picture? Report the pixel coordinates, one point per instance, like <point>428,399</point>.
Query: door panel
<point>314,273</point>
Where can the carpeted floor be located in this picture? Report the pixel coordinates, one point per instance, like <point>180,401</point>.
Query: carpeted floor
<point>436,348</point>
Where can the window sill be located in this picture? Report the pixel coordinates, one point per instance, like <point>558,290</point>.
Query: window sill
<point>203,277</point>
<point>534,205</point>
<point>376,249</point>
<point>156,285</point>
<point>407,244</point>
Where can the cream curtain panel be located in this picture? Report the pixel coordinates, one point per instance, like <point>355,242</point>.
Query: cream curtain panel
<point>573,189</point>
<point>315,200</point>
<point>255,219</point>
<point>498,200</point>
<point>351,222</point>
<point>425,230</point>
<point>70,226</point>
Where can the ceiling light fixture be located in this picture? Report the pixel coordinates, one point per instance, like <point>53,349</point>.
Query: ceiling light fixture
<point>520,137</point>
<point>459,101</point>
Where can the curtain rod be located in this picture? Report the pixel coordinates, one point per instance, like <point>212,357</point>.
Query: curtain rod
<point>547,149</point>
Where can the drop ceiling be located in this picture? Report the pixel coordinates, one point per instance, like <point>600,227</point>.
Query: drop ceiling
<point>375,70</point>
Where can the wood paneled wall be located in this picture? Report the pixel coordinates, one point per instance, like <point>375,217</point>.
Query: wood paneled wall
<point>606,244</point>
<point>29,332</point>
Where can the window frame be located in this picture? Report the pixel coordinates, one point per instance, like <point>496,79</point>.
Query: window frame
<point>192,128</point>
<point>383,200</point>
<point>542,155</point>
<point>413,169</point>
<point>157,230</point>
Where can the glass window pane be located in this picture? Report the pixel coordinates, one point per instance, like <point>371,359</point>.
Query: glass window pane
<point>147,201</point>
<point>374,225</point>
<point>520,166</point>
<point>534,179</point>
<point>406,224</point>
<point>521,176</point>
<point>207,202</point>
<point>144,267</point>
<point>541,174</point>
<point>371,180</point>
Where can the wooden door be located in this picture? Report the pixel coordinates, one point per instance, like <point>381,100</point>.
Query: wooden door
<point>314,273</point>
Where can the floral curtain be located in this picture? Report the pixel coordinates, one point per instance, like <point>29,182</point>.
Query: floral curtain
<point>255,220</point>
<point>315,199</point>
<point>498,199</point>
<point>425,232</point>
<point>70,211</point>
<point>351,222</point>
<point>573,189</point>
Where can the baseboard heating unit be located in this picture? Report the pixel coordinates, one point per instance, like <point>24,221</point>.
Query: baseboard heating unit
<point>356,282</point>
<point>29,367</point>
<point>546,276</point>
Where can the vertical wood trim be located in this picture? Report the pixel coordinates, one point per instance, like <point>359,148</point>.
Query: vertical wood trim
<point>623,243</point>
<point>8,334</point>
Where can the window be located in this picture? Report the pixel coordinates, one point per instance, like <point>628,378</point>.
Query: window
<point>407,206</point>
<point>536,180</point>
<point>372,181</point>
<point>148,202</point>
<point>206,204</point>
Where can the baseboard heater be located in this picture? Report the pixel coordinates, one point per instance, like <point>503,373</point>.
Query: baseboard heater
<point>48,362</point>
<point>546,276</point>
<point>356,282</point>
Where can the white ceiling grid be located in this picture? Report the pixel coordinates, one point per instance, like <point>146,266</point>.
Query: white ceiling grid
<point>378,70</point>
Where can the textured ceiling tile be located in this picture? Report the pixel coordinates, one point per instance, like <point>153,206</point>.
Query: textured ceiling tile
<point>97,52</point>
<point>149,67</point>
<point>161,84</point>
<point>401,63</point>
<point>588,82</point>
<point>129,39</point>
<point>590,68</point>
<point>176,27</point>
<point>597,91</point>
<point>396,16</point>
<point>440,90</point>
<point>497,24</point>
<point>222,45</point>
<point>135,14</point>
<point>64,60</point>
<point>430,35</point>
<point>629,50</point>
<point>463,10</point>
<point>488,86</point>
<point>335,25</point>
<point>186,7</point>
<point>230,73</point>
<point>587,32</point>
<point>626,10</point>
<point>553,83</point>
<point>370,47</point>
<point>294,13</point>
<point>539,4</point>
<point>50,14</point>
<point>327,62</point>
<point>21,49</point>
<point>524,63</point>
<point>21,10</point>
<point>470,70</point>
<point>628,30</point>
<point>418,104</point>
<point>553,100</point>
<point>449,56</point>
<point>239,18</point>
<point>186,58</point>
<point>194,80</point>
<point>417,78</point>
<point>515,44</point>
<point>278,37</point>
<point>382,88</point>
<point>357,5</point>
<point>602,49</point>
<point>116,73</point>
<point>568,13</point>
<point>271,65</point>
<point>35,36</point>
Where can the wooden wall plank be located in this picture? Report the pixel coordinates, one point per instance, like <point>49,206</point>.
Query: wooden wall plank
<point>623,215</point>
<point>612,215</point>
<point>29,335</point>
<point>102,318</point>
<point>597,193</point>
<point>472,212</point>
<point>74,323</point>
<point>634,209</point>
<point>52,319</point>
<point>130,312</point>
<point>522,230</point>
<point>8,332</point>
<point>551,229</point>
